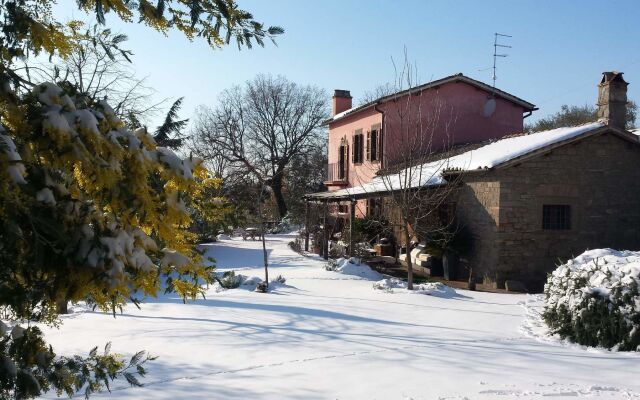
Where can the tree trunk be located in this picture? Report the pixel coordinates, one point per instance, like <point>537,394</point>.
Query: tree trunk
<point>306,226</point>
<point>472,280</point>
<point>62,306</point>
<point>276,186</point>
<point>264,245</point>
<point>407,239</point>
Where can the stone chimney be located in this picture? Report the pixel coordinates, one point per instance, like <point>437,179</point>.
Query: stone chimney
<point>612,99</point>
<point>341,101</point>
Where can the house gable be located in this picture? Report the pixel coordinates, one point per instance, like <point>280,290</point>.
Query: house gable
<point>436,84</point>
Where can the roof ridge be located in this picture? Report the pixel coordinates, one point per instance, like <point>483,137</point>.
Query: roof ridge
<point>434,83</point>
<point>566,126</point>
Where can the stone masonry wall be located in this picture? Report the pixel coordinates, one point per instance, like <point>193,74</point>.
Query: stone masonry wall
<point>478,209</point>
<point>599,177</point>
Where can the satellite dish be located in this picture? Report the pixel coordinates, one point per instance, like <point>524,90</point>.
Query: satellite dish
<point>489,108</point>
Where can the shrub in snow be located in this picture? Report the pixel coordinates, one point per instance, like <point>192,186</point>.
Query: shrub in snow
<point>280,279</point>
<point>251,281</point>
<point>283,226</point>
<point>389,284</point>
<point>262,287</point>
<point>29,367</point>
<point>594,300</point>
<point>331,265</point>
<point>352,266</point>
<point>230,280</point>
<point>296,245</point>
<point>337,249</point>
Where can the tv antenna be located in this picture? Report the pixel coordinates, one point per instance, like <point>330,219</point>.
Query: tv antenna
<point>490,105</point>
<point>496,44</point>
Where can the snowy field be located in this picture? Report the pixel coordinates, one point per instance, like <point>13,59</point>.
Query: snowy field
<point>330,335</point>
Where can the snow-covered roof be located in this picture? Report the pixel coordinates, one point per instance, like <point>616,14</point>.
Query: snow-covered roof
<point>485,157</point>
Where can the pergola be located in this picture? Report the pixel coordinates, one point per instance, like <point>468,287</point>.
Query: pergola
<point>335,197</point>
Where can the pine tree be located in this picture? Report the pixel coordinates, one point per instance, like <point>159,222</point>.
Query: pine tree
<point>169,134</point>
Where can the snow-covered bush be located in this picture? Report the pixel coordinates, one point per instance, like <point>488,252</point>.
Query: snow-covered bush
<point>331,265</point>
<point>594,300</point>
<point>352,266</point>
<point>389,284</point>
<point>283,226</point>
<point>230,280</point>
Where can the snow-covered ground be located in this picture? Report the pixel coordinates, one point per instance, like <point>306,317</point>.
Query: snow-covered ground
<point>330,335</point>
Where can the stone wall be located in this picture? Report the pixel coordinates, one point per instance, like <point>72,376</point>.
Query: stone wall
<point>599,177</point>
<point>478,209</point>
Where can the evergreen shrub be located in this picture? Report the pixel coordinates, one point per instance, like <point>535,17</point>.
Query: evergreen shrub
<point>593,300</point>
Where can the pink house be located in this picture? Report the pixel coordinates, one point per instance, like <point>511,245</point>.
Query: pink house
<point>450,111</point>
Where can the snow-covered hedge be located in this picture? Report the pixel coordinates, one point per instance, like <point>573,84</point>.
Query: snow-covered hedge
<point>594,300</point>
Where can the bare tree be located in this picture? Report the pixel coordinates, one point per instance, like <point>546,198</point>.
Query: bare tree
<point>101,69</point>
<point>576,115</point>
<point>260,127</point>
<point>417,180</point>
<point>385,89</point>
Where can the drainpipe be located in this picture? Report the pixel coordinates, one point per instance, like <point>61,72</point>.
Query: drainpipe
<point>527,115</point>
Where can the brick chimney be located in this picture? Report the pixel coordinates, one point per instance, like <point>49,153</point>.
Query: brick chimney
<point>612,99</point>
<point>341,101</point>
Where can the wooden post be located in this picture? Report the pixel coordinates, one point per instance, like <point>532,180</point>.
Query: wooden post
<point>352,217</point>
<point>325,236</point>
<point>306,225</point>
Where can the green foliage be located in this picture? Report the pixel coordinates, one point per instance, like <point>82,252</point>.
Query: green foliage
<point>576,312</point>
<point>304,175</point>
<point>169,134</point>
<point>29,27</point>
<point>577,115</point>
<point>29,368</point>
<point>230,280</point>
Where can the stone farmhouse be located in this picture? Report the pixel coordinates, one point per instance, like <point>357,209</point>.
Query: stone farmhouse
<point>528,200</point>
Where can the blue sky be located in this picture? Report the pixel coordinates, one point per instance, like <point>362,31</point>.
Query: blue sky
<point>559,48</point>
